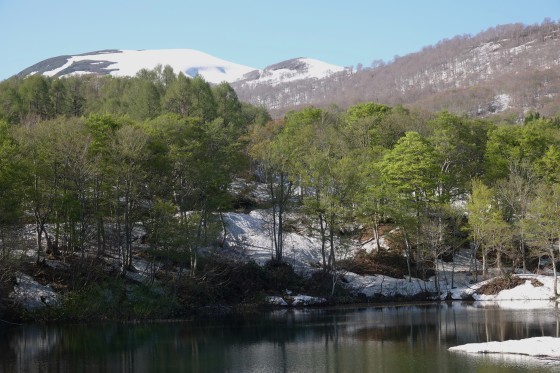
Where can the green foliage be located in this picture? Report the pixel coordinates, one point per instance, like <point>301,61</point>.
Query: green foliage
<point>364,110</point>
<point>507,144</point>
<point>548,167</point>
<point>143,97</point>
<point>228,106</point>
<point>460,144</point>
<point>411,167</point>
<point>11,176</point>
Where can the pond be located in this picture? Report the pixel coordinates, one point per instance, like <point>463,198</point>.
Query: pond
<point>409,338</point>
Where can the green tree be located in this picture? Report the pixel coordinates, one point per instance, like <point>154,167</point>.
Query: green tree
<point>517,192</point>
<point>59,97</point>
<point>203,102</point>
<point>411,169</point>
<point>178,98</point>
<point>167,77</point>
<point>269,150</point>
<point>543,223</point>
<point>143,99</point>
<point>510,144</point>
<point>324,169</point>
<point>11,184</point>
<point>489,231</point>
<point>460,144</point>
<point>128,157</point>
<point>228,106</point>
<point>76,100</point>
<point>42,184</point>
<point>548,167</point>
<point>11,104</point>
<point>362,123</point>
<point>34,92</point>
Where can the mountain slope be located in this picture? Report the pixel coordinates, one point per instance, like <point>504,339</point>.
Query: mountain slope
<point>508,70</point>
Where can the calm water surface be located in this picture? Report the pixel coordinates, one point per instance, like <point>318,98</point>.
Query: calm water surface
<point>373,339</point>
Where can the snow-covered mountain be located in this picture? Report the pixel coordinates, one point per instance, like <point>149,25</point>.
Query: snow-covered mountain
<point>190,62</point>
<point>129,62</point>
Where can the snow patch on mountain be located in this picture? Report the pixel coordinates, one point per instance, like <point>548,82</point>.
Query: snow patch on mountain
<point>129,62</point>
<point>501,102</point>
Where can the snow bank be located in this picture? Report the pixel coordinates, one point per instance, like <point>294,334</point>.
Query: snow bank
<point>295,301</point>
<point>249,236</point>
<point>379,285</point>
<point>525,292</point>
<point>544,347</point>
<point>33,296</point>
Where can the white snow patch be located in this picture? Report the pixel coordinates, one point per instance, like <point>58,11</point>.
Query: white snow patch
<point>543,347</point>
<point>249,235</point>
<point>501,102</point>
<point>521,48</point>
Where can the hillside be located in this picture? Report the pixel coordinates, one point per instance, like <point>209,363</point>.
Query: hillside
<point>507,69</point>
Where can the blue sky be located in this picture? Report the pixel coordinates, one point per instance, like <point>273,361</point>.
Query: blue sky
<point>250,32</point>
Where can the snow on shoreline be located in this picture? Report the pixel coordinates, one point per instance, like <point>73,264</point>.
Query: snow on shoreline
<point>541,347</point>
<point>248,238</point>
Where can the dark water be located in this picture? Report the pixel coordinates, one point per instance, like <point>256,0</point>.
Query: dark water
<point>388,339</point>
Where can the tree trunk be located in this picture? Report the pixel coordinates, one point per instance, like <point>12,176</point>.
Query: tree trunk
<point>484,263</point>
<point>331,243</point>
<point>224,231</point>
<point>555,274</point>
<point>376,233</point>
<point>323,241</point>
<point>408,255</point>
<point>39,242</point>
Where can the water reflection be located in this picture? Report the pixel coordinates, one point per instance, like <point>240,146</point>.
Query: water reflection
<point>391,339</point>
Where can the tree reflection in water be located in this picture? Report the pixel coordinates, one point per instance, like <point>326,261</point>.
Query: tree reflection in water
<point>405,338</point>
